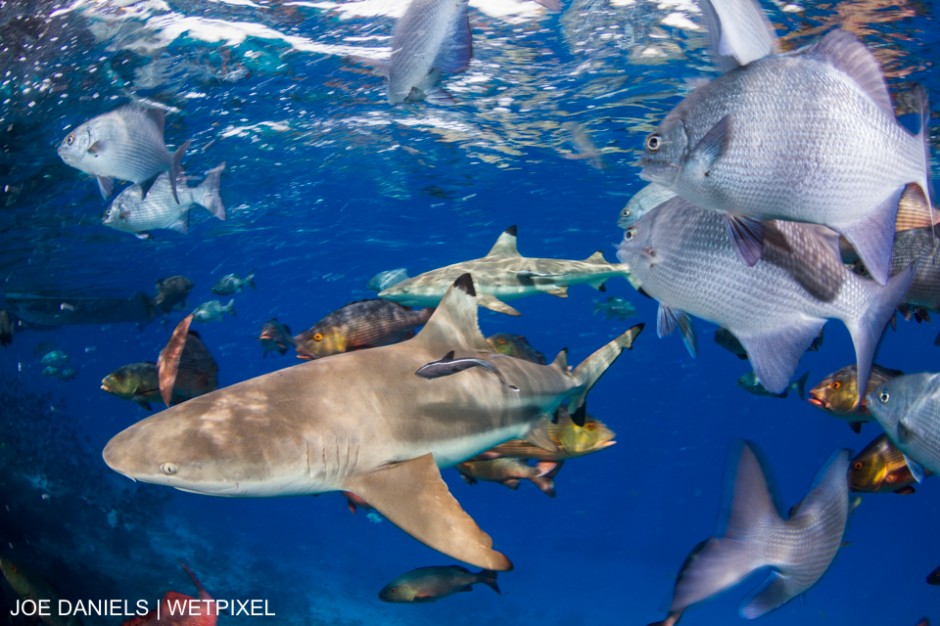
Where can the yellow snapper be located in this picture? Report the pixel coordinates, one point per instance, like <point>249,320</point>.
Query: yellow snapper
<point>880,468</point>
<point>837,393</point>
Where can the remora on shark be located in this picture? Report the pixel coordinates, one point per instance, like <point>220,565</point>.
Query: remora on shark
<point>363,422</point>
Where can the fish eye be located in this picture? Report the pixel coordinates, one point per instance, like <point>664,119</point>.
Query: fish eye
<point>70,139</point>
<point>630,233</point>
<point>318,336</point>
<point>654,142</point>
<point>168,468</point>
<point>857,465</point>
<point>590,426</point>
<point>836,384</point>
<point>883,397</point>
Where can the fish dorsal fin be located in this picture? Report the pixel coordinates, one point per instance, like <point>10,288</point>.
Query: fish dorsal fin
<point>597,257</point>
<point>561,361</point>
<point>454,322</point>
<point>157,116</point>
<point>506,244</point>
<point>846,53</point>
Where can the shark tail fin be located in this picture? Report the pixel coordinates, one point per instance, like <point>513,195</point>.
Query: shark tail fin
<point>593,367</point>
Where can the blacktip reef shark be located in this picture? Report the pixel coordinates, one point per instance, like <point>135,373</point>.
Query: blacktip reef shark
<point>363,422</point>
<point>503,274</point>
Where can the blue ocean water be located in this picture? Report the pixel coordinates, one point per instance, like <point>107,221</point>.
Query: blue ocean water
<point>326,185</point>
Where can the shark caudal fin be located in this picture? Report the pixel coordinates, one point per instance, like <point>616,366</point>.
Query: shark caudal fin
<point>593,367</point>
<point>413,496</point>
<point>454,323</point>
<point>721,562</point>
<point>803,557</point>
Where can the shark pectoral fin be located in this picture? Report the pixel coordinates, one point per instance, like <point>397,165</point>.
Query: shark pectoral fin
<point>560,292</point>
<point>413,496</point>
<point>495,304</point>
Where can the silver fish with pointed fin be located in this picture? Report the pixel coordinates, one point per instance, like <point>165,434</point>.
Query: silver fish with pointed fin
<point>738,32</point>
<point>431,39</point>
<point>134,212</point>
<point>809,136</point>
<point>277,434</point>
<point>680,254</point>
<point>126,144</point>
<point>504,274</point>
<point>799,549</point>
<point>908,408</point>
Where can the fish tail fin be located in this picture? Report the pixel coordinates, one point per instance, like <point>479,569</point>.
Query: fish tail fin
<point>872,236</point>
<point>720,562</point>
<point>176,168</point>
<point>593,367</point>
<point>826,507</point>
<point>488,578</point>
<point>202,591</point>
<point>867,329</point>
<point>250,280</point>
<point>207,193</point>
<point>230,307</point>
<point>800,385</point>
<point>545,484</point>
<point>923,134</point>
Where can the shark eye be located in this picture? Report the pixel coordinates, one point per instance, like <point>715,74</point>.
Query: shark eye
<point>654,142</point>
<point>70,139</point>
<point>883,397</point>
<point>318,337</point>
<point>630,233</point>
<point>168,468</point>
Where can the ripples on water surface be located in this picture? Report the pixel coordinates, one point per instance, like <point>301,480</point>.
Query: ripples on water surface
<point>326,185</point>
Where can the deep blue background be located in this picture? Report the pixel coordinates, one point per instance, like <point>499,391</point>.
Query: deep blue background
<point>344,186</point>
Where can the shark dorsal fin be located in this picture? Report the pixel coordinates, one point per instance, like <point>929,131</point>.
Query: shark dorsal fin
<point>506,244</point>
<point>597,257</point>
<point>454,322</point>
<point>561,361</point>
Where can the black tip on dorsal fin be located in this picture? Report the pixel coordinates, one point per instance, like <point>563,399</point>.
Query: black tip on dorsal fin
<point>512,230</point>
<point>449,356</point>
<point>465,283</point>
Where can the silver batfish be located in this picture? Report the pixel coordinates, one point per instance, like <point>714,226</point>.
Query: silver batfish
<point>908,408</point>
<point>809,136</point>
<point>799,550</point>
<point>134,212</point>
<point>431,38</point>
<point>680,254</point>
<point>126,144</point>
<point>918,247</point>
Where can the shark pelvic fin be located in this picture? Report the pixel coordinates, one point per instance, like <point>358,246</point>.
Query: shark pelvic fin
<point>495,304</point>
<point>413,496</point>
<point>506,244</point>
<point>454,324</point>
